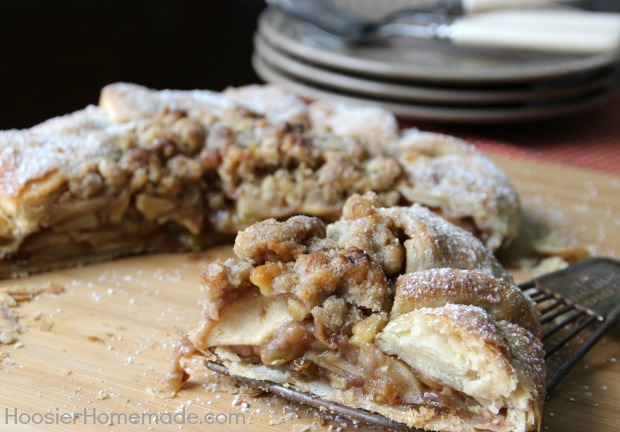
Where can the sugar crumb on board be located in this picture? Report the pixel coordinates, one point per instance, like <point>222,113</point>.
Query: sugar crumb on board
<point>9,327</point>
<point>549,239</point>
<point>305,427</point>
<point>11,297</point>
<point>283,419</point>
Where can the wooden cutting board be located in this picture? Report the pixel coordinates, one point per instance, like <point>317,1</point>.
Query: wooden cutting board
<point>98,349</point>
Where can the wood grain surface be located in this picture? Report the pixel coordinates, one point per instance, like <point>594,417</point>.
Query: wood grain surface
<point>93,354</point>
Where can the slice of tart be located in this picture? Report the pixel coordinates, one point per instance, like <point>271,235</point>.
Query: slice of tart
<point>391,310</point>
<point>82,188</point>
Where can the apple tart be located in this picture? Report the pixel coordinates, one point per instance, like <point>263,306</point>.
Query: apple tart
<point>391,310</point>
<point>285,157</point>
<point>173,170</point>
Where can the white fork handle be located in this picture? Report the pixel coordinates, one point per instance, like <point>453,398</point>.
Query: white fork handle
<point>577,32</point>
<point>475,6</point>
<point>566,19</point>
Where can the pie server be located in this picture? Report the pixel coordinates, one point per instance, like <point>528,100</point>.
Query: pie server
<point>577,306</point>
<point>499,25</point>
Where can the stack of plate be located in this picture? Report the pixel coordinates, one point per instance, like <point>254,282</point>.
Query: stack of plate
<point>430,80</point>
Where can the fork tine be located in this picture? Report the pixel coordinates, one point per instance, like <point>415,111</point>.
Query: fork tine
<point>531,284</point>
<point>562,324</point>
<point>546,318</point>
<point>545,297</point>
<point>552,306</point>
<point>559,344</point>
<point>593,338</point>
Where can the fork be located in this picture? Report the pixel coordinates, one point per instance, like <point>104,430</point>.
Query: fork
<point>457,21</point>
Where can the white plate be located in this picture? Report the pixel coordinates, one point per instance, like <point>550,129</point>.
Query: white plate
<point>420,92</point>
<point>436,113</point>
<point>429,61</point>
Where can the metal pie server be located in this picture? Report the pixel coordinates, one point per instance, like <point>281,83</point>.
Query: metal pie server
<point>577,306</point>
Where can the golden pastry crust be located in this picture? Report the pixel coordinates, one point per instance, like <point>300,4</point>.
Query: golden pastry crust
<point>354,121</point>
<point>499,298</point>
<point>431,249</point>
<point>448,174</point>
<point>481,357</point>
<point>448,344</point>
<point>123,102</point>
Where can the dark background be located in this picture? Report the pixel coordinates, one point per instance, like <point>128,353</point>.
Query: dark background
<point>55,55</point>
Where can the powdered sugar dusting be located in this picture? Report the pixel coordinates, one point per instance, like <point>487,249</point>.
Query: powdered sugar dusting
<point>528,354</point>
<point>26,157</point>
<point>124,102</point>
<point>430,143</point>
<point>354,120</point>
<point>271,101</point>
<point>459,186</point>
<point>501,299</point>
<point>439,243</point>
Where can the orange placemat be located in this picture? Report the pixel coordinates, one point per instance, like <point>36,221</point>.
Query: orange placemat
<point>588,140</point>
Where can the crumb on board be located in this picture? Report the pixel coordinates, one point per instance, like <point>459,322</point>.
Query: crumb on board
<point>547,265</point>
<point>21,293</point>
<point>557,245</point>
<point>283,419</point>
<point>96,339</point>
<point>10,298</point>
<point>545,243</point>
<point>9,327</point>
<point>551,252</point>
<point>304,427</point>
